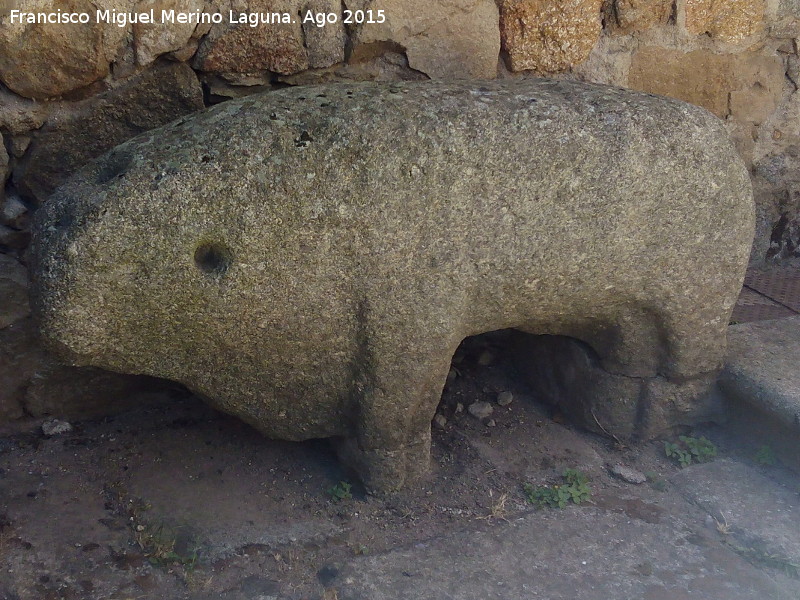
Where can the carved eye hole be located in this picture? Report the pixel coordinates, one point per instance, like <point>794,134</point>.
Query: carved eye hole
<point>213,258</point>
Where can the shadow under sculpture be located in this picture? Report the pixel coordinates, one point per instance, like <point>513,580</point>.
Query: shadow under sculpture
<point>309,259</point>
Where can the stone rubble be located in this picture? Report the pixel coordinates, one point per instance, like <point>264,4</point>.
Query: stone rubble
<point>480,410</point>
<point>55,427</point>
<point>505,398</point>
<point>628,474</point>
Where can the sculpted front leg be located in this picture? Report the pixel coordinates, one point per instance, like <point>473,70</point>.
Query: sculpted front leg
<point>387,469</point>
<point>397,399</point>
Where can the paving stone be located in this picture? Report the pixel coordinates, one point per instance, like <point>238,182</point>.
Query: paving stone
<point>761,515</point>
<point>761,369</point>
<point>557,554</point>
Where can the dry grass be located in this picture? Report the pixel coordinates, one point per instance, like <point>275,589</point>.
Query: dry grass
<point>498,509</point>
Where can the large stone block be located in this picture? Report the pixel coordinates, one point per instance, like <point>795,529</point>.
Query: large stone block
<point>626,16</point>
<point>786,22</point>
<point>151,40</point>
<point>324,45</point>
<point>81,132</point>
<point>284,48</point>
<point>749,85</point>
<point>20,115</point>
<point>43,60</point>
<point>731,21</point>
<point>310,259</point>
<point>452,39</point>
<point>547,36</point>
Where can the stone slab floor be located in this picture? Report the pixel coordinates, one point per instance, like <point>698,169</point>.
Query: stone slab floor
<point>173,500</point>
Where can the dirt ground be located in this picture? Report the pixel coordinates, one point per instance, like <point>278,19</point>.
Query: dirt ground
<point>174,500</point>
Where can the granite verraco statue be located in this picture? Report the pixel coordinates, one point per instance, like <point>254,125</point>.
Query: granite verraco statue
<point>309,259</point>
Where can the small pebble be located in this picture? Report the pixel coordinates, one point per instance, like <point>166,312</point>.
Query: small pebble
<point>55,427</point>
<point>13,212</point>
<point>505,398</point>
<point>459,408</point>
<point>440,421</point>
<point>628,474</point>
<point>480,410</point>
<point>485,358</point>
<point>491,423</point>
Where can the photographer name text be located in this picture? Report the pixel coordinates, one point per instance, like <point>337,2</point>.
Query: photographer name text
<point>168,17</point>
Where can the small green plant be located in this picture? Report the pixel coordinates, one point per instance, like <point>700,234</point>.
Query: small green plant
<point>655,481</point>
<point>766,456</point>
<point>683,457</point>
<point>340,491</point>
<point>575,489</point>
<point>157,541</point>
<point>688,450</point>
<point>158,546</point>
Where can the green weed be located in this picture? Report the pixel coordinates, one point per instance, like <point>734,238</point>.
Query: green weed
<point>157,544</point>
<point>575,489</point>
<point>766,456</point>
<point>340,491</point>
<point>656,481</point>
<point>688,450</point>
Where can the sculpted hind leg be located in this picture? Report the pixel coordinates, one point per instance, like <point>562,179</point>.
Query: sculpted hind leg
<point>684,345</point>
<point>685,393</point>
<point>604,384</point>
<point>632,344</point>
<point>696,342</point>
<point>641,375</point>
<point>681,338</point>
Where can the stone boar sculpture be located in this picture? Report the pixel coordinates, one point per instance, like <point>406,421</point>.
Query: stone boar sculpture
<point>310,259</point>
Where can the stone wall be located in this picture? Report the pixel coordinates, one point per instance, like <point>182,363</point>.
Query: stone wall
<point>69,92</point>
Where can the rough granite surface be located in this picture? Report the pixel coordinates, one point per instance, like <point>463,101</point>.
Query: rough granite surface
<point>310,259</point>
<point>549,37</point>
<point>761,369</point>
